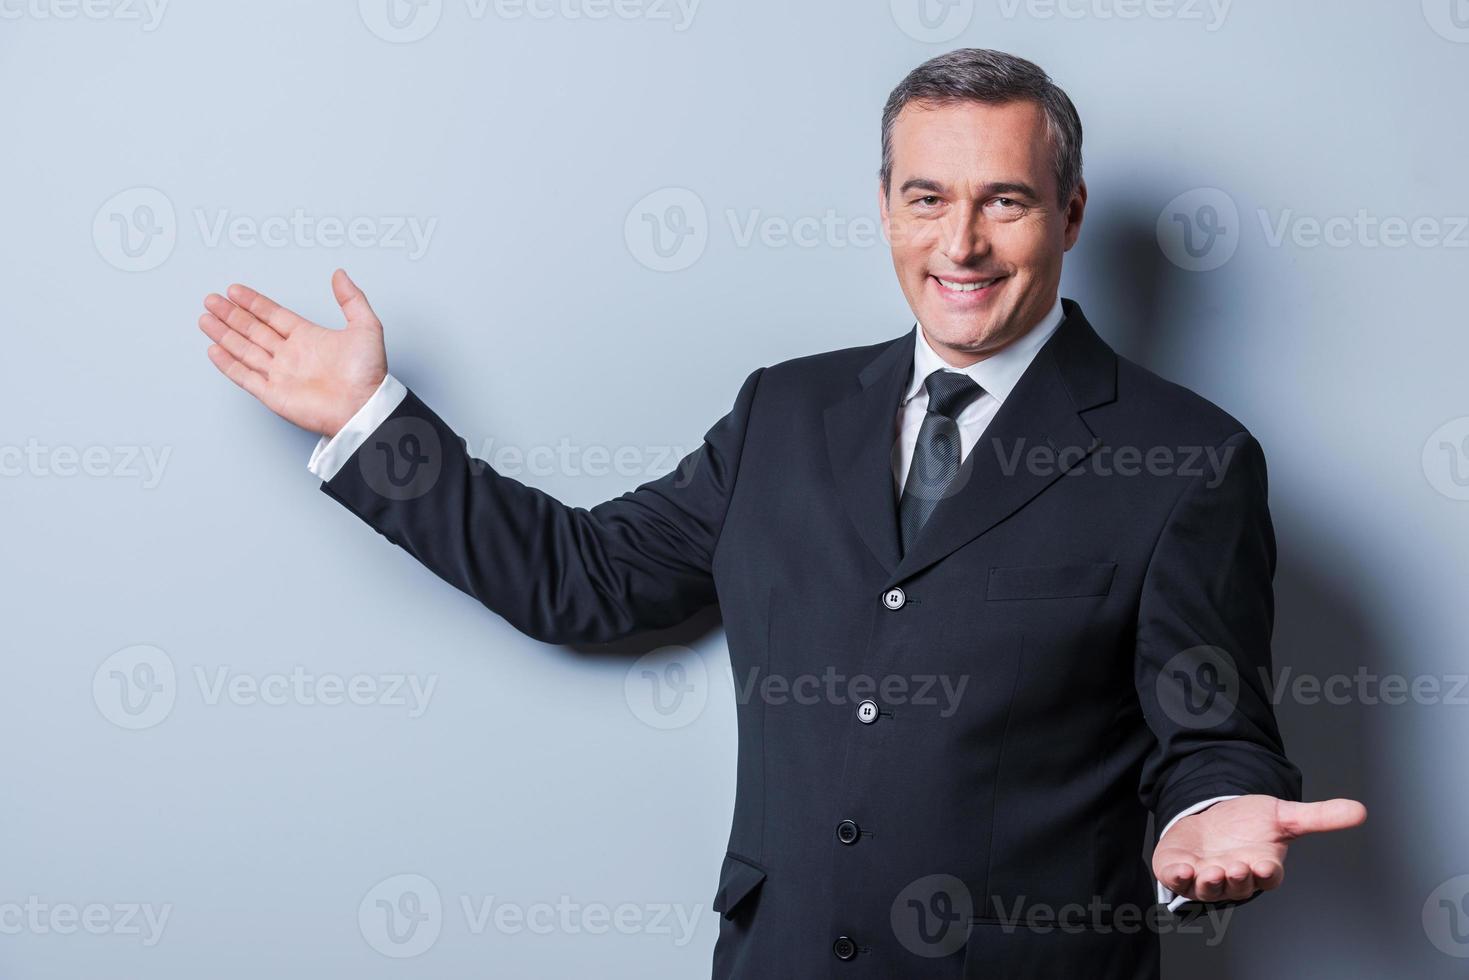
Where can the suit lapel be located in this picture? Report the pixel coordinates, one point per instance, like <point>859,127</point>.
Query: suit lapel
<point>1073,371</point>
<point>861,435</point>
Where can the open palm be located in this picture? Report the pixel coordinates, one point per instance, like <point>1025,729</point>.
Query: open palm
<point>307,374</point>
<point>1237,847</point>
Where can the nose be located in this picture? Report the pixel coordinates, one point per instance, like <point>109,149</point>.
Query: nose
<point>964,239</point>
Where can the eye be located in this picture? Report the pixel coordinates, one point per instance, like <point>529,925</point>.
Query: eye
<point>1008,208</point>
<point>929,200</point>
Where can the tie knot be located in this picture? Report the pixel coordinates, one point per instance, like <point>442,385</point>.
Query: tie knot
<point>949,392</point>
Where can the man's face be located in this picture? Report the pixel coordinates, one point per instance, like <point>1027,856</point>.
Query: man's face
<point>972,203</point>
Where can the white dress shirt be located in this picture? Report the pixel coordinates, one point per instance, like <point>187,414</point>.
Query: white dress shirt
<point>996,374</point>
<point>330,455</point>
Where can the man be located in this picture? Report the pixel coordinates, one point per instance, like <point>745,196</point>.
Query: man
<point>1079,550</point>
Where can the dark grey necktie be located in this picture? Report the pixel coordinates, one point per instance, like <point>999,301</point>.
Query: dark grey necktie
<point>936,455</point>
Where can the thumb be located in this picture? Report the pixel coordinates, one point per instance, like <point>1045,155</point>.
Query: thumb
<point>1299,819</point>
<point>352,300</point>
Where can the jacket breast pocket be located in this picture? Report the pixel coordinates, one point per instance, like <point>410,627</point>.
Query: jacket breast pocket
<point>1050,581</point>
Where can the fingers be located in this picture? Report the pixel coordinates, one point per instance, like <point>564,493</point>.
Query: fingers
<point>1178,878</point>
<point>235,344</point>
<point>1268,874</point>
<point>1210,883</point>
<point>1299,819</point>
<point>1239,883</point>
<point>1230,880</point>
<point>351,299</point>
<point>243,323</point>
<point>236,371</point>
<point>1233,881</point>
<point>266,310</point>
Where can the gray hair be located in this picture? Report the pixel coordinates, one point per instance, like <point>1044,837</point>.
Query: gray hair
<point>993,77</point>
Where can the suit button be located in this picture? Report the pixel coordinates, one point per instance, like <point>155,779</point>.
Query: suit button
<point>848,832</point>
<point>844,948</point>
<point>894,598</point>
<point>867,712</point>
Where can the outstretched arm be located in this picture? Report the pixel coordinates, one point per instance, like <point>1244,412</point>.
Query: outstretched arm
<point>557,573</point>
<point>1202,668</point>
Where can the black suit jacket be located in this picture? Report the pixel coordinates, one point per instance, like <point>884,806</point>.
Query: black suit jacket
<point>1096,589</point>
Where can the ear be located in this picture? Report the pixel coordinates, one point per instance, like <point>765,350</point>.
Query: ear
<point>1075,211</point>
<point>882,208</point>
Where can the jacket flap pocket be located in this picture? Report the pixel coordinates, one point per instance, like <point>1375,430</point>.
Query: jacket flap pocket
<point>737,879</point>
<point>1050,581</point>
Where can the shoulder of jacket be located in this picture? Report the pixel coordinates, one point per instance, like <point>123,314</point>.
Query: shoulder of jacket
<point>1183,411</point>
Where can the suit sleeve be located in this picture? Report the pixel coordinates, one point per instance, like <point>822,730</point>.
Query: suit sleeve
<point>1203,643</point>
<point>557,573</point>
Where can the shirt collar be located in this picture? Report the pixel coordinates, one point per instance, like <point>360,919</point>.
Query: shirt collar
<point>996,374</point>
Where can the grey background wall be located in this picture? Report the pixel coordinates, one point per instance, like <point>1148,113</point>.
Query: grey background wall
<point>241,729</point>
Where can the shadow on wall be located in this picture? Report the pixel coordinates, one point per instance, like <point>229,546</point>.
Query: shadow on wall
<point>1348,896</point>
<point>1122,274</point>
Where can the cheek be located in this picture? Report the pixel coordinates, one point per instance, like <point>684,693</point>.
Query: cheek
<point>912,242</point>
<point>1027,246</point>
<point>910,257</point>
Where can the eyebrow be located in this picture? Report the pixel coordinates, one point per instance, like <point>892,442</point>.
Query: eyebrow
<point>988,190</point>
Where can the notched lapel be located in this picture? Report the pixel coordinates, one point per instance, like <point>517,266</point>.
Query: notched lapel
<point>861,433</point>
<point>1075,370</point>
<point>1035,438</point>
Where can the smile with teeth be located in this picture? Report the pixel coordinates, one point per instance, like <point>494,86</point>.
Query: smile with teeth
<point>968,287</point>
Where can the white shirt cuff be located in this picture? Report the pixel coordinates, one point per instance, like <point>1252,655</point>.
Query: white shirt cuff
<point>330,455</point>
<point>1165,895</point>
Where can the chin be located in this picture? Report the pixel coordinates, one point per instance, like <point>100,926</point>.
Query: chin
<point>964,336</point>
